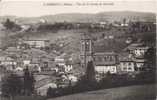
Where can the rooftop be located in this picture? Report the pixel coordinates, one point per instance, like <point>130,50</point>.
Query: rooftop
<point>134,46</point>
<point>105,53</point>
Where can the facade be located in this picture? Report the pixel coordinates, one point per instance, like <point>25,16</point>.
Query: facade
<point>63,65</point>
<point>137,50</point>
<point>86,50</point>
<point>37,43</point>
<point>8,62</point>
<point>105,62</point>
<point>127,66</point>
<point>139,64</point>
<point>126,62</point>
<point>130,60</point>
<point>140,51</point>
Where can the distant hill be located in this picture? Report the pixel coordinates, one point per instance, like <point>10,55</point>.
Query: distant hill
<point>79,17</point>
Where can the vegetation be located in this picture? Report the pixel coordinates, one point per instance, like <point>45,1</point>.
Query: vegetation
<point>144,32</point>
<point>12,86</point>
<point>88,82</point>
<point>10,25</point>
<point>150,57</point>
<point>28,82</point>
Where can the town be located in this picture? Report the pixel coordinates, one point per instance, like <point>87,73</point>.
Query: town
<point>111,53</point>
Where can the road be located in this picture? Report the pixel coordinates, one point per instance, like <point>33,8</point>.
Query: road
<point>141,92</point>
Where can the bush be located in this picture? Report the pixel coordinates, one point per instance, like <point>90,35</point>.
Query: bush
<point>12,85</point>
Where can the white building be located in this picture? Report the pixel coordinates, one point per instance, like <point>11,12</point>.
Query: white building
<point>137,50</point>
<point>126,63</point>
<point>127,66</point>
<point>105,62</point>
<point>8,62</point>
<point>37,43</point>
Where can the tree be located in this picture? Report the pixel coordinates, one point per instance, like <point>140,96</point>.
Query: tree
<point>11,86</point>
<point>28,82</point>
<point>9,24</point>
<point>90,71</point>
<point>87,81</point>
<point>106,81</point>
<point>50,92</point>
<point>150,57</point>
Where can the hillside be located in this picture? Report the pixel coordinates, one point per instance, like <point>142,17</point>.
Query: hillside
<point>79,17</point>
<point>72,37</point>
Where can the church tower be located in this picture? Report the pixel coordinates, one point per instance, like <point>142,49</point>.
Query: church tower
<point>86,50</point>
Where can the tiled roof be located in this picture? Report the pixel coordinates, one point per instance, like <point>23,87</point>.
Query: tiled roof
<point>112,60</point>
<point>135,46</point>
<point>12,49</point>
<point>124,56</point>
<point>104,53</point>
<point>139,60</point>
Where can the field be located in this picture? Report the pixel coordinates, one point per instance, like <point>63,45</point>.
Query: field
<point>144,92</point>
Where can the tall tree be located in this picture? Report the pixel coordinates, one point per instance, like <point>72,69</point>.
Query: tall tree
<point>90,71</point>
<point>49,92</point>
<point>9,24</point>
<point>150,57</point>
<point>28,82</point>
<point>87,81</point>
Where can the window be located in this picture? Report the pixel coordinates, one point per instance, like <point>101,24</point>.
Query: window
<point>111,58</point>
<point>105,58</point>
<point>99,58</point>
<point>129,68</point>
<point>129,64</point>
<point>124,68</point>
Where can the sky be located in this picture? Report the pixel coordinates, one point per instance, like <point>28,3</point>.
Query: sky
<point>34,8</point>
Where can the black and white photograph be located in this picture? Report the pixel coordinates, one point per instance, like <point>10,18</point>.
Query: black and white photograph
<point>78,50</point>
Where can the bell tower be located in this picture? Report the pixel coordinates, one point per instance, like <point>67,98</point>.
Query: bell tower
<point>86,50</point>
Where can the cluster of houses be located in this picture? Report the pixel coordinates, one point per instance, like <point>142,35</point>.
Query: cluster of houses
<point>29,53</point>
<point>129,60</point>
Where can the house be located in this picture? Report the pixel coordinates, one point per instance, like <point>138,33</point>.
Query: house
<point>18,69</point>
<point>126,63</point>
<point>37,43</point>
<point>63,65</point>
<point>26,62</point>
<point>25,27</point>
<point>105,62</point>
<point>8,62</point>
<point>1,26</point>
<point>140,51</point>
<point>139,64</point>
<point>72,78</point>
<point>12,50</point>
<point>137,49</point>
<point>60,61</point>
<point>68,67</point>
